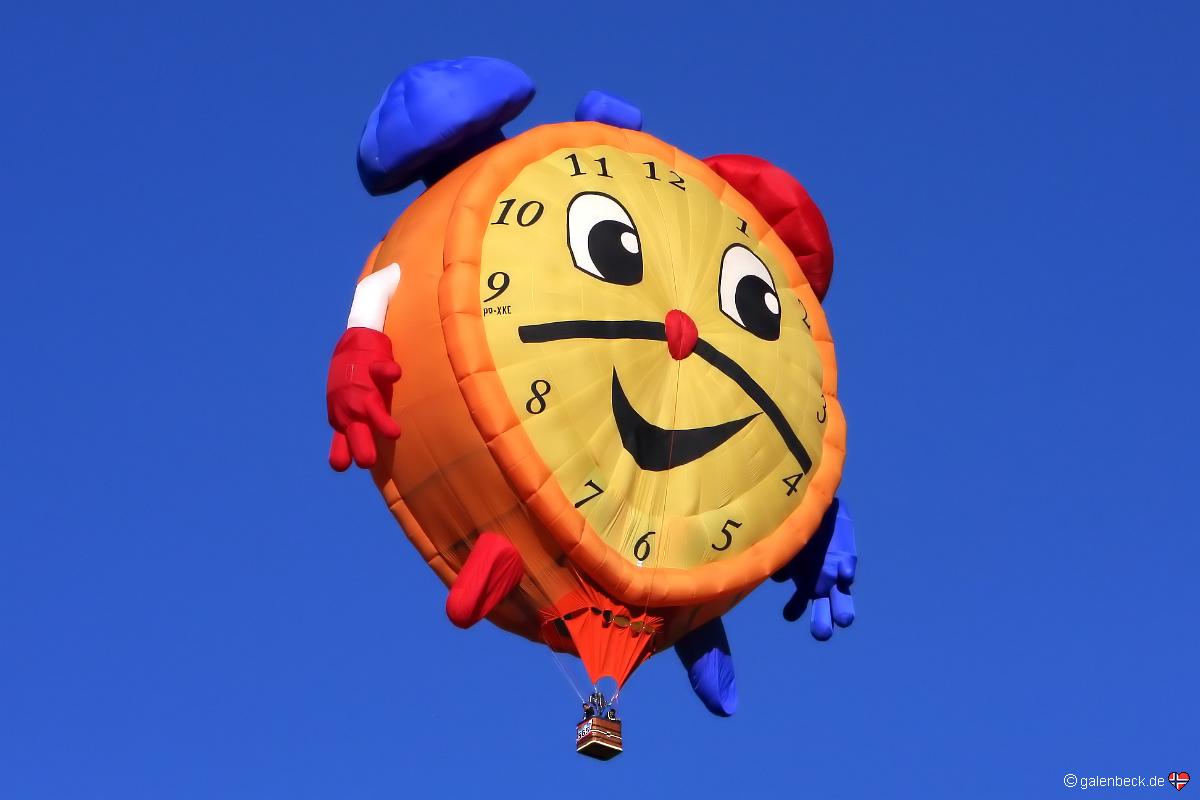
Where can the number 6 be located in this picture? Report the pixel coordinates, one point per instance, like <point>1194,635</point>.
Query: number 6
<point>638,552</point>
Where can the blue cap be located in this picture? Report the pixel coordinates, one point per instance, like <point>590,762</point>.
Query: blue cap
<point>435,116</point>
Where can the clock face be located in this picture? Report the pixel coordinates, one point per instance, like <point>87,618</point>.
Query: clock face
<point>653,352</point>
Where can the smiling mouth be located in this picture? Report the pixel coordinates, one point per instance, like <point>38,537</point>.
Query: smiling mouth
<point>657,449</point>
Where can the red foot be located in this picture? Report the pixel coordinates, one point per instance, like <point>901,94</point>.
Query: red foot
<point>493,569</point>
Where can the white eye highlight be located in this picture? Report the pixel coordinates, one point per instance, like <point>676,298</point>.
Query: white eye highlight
<point>747,293</point>
<point>603,240</point>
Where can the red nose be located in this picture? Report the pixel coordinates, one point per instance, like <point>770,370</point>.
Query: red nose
<point>681,334</point>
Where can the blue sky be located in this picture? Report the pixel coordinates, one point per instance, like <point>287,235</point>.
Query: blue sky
<point>194,606</point>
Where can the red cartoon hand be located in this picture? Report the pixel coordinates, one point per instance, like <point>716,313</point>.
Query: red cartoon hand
<point>359,394</point>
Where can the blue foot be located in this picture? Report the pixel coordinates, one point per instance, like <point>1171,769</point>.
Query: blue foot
<point>705,654</point>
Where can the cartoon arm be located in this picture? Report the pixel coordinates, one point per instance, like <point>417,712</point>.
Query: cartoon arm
<point>822,572</point>
<point>432,117</point>
<point>358,393</point>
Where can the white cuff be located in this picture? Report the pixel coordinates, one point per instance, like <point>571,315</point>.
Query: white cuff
<point>371,298</point>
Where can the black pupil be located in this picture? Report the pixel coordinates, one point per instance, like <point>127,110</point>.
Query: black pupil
<point>750,297</point>
<point>612,259</point>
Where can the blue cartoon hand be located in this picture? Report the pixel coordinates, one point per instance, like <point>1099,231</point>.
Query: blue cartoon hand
<point>823,572</point>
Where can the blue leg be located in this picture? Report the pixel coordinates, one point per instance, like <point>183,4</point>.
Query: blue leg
<point>705,654</point>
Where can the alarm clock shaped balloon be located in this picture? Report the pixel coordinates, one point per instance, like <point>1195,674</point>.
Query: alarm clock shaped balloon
<point>592,377</point>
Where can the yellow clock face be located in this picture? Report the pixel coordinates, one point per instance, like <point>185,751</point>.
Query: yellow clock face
<point>653,353</point>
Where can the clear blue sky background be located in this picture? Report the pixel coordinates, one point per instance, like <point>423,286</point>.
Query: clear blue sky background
<point>193,606</point>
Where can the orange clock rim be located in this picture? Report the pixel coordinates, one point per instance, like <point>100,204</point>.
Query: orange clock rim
<point>510,446</point>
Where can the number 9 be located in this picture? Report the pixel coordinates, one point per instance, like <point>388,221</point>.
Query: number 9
<point>502,277</point>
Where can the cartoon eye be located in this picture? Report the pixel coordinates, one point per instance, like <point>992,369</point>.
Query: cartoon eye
<point>747,293</point>
<point>602,239</point>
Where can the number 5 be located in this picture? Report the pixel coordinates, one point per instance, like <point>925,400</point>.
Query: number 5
<point>728,535</point>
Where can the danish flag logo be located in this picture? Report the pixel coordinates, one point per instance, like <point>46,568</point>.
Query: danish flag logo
<point>1178,780</point>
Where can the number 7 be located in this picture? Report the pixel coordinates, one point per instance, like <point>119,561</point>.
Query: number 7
<point>593,496</point>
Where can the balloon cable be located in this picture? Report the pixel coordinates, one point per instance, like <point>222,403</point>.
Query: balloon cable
<point>563,669</point>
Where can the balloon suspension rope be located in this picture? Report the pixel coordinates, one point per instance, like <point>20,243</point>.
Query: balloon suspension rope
<point>570,681</point>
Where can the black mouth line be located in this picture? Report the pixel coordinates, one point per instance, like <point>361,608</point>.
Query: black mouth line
<point>656,449</point>
<point>656,331</point>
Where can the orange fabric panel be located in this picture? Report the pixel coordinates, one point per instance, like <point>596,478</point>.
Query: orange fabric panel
<point>439,479</point>
<point>611,640</point>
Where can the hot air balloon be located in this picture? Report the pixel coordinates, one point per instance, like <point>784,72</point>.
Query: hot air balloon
<point>593,380</point>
